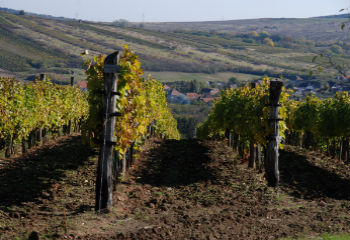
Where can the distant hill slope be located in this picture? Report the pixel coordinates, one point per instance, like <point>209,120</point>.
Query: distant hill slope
<point>31,44</point>
<point>325,28</point>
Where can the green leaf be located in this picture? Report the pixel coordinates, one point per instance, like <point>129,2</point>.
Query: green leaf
<point>343,26</point>
<point>311,73</point>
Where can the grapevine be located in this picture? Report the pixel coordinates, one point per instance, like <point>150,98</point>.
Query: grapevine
<point>25,107</point>
<point>141,103</point>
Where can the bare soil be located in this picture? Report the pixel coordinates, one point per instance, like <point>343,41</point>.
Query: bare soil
<point>186,189</point>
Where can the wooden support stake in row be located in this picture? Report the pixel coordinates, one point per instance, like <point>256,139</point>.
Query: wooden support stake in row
<point>70,121</point>
<point>272,171</point>
<point>252,149</point>
<point>40,130</point>
<point>104,181</point>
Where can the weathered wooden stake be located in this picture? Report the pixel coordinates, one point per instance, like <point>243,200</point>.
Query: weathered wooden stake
<point>132,154</point>
<point>9,149</point>
<point>40,130</point>
<point>272,171</point>
<point>70,121</point>
<point>258,162</point>
<point>104,181</point>
<point>345,148</point>
<point>23,146</point>
<point>252,149</point>
<point>124,164</point>
<point>39,136</point>
<point>227,136</point>
<point>116,169</point>
<point>252,154</point>
<point>42,76</point>
<point>235,142</point>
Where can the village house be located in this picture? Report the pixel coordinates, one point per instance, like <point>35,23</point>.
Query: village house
<point>192,96</point>
<point>214,91</point>
<point>207,99</point>
<point>82,85</point>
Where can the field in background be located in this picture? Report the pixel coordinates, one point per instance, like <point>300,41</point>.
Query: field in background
<point>215,77</point>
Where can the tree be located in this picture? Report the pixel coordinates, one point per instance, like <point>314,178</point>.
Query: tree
<point>21,12</point>
<point>195,86</point>
<point>264,34</point>
<point>121,23</point>
<point>269,42</point>
<point>232,80</point>
<point>326,59</point>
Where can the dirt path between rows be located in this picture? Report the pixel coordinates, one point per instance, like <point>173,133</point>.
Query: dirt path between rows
<point>184,189</point>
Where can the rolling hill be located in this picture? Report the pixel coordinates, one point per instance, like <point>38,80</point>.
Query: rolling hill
<point>248,49</point>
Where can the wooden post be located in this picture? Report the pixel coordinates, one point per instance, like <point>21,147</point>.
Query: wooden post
<point>44,135</point>
<point>235,142</point>
<point>40,130</point>
<point>132,154</point>
<point>251,142</point>
<point>272,171</point>
<point>345,149</point>
<point>258,162</point>
<point>30,141</point>
<point>24,145</point>
<point>128,158</point>
<point>70,121</point>
<point>252,154</point>
<point>39,136</point>
<point>116,166</point>
<point>42,76</point>
<point>124,164</point>
<point>227,136</point>
<point>9,149</point>
<point>230,139</point>
<point>104,181</point>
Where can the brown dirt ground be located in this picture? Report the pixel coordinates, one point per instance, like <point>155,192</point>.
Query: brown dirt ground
<point>184,189</point>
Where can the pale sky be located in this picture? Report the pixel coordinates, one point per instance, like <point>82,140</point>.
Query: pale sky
<point>178,10</point>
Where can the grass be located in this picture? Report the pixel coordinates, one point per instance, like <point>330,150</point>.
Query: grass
<point>324,237</point>
<point>215,77</point>
<point>315,29</point>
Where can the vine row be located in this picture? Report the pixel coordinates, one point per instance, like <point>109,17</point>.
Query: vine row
<point>38,106</point>
<point>141,103</point>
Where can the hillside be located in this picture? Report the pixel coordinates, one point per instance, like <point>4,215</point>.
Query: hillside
<point>316,29</point>
<point>32,44</point>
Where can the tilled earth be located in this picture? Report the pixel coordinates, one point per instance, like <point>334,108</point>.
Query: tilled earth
<point>186,189</point>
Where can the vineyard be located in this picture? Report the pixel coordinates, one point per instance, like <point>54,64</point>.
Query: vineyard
<point>30,110</point>
<point>212,187</point>
<point>321,124</point>
<point>142,103</point>
<point>242,115</point>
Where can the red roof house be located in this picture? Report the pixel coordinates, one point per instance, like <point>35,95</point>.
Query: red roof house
<point>206,100</point>
<point>174,92</point>
<point>82,84</point>
<point>192,96</point>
